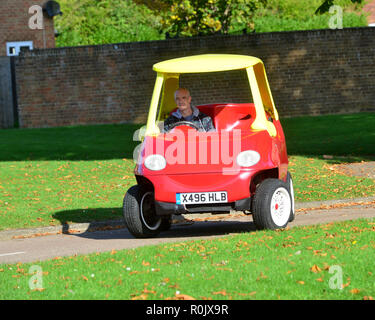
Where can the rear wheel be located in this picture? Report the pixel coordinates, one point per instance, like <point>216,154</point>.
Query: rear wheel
<point>272,205</point>
<point>139,213</point>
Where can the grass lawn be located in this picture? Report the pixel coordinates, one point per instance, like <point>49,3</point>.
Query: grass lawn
<point>80,174</point>
<point>329,261</point>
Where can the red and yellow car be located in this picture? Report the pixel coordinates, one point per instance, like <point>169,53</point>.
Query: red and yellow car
<point>242,165</point>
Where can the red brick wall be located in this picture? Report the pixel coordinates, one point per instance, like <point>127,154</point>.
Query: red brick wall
<point>14,25</point>
<point>310,73</point>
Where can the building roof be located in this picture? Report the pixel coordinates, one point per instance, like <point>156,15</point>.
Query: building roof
<point>206,63</point>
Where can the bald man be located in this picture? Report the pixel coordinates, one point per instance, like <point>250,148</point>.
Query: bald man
<point>187,112</point>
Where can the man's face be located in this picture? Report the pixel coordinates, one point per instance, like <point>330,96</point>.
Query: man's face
<point>183,100</point>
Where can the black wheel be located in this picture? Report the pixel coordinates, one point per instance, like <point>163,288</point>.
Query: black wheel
<point>289,182</point>
<point>272,205</point>
<point>139,213</point>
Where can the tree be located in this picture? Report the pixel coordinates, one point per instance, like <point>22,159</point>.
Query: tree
<point>328,3</point>
<point>202,17</point>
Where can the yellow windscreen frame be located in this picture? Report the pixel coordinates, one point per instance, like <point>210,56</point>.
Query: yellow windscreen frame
<point>167,83</point>
<point>171,84</point>
<point>264,89</point>
<point>260,122</point>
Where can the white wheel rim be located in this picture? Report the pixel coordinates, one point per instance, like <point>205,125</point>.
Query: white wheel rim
<point>280,206</point>
<point>147,224</point>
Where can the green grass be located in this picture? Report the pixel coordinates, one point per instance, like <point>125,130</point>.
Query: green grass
<point>80,174</point>
<point>301,263</point>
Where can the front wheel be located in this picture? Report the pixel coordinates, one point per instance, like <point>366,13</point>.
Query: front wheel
<point>139,213</point>
<point>272,205</point>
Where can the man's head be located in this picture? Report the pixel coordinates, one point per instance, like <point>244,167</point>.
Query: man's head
<point>183,100</point>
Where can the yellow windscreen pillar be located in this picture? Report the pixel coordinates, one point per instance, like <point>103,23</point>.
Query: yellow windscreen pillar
<point>260,122</point>
<point>152,128</point>
<point>265,91</point>
<point>168,103</point>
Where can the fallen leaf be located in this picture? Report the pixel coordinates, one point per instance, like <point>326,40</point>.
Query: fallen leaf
<point>141,297</point>
<point>223,292</point>
<point>184,297</point>
<point>315,269</point>
<point>354,291</point>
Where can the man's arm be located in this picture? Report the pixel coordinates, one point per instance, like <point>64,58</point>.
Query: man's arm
<point>168,123</point>
<point>208,124</point>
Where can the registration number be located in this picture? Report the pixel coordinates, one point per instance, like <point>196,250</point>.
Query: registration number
<point>201,197</point>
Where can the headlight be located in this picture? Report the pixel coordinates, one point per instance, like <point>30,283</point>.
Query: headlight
<point>155,162</point>
<point>248,158</point>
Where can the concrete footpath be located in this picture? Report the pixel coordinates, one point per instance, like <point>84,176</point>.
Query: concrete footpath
<point>116,224</point>
<point>37,244</point>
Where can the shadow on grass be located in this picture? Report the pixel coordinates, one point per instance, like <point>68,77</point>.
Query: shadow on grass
<point>114,227</point>
<point>91,215</point>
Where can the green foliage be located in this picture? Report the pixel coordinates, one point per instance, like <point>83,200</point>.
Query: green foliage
<point>199,17</point>
<point>328,3</point>
<point>291,15</point>
<point>87,22</point>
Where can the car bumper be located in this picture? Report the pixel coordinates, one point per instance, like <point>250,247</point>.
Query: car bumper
<point>236,185</point>
<point>169,208</point>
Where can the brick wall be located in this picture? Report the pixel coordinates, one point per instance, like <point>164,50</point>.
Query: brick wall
<point>310,73</point>
<point>14,25</point>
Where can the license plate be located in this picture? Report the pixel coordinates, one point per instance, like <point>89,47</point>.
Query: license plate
<point>201,197</point>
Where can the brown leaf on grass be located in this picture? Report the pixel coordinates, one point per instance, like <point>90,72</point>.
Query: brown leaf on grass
<point>261,276</point>
<point>354,291</point>
<point>145,290</point>
<point>144,263</point>
<point>85,278</point>
<point>134,272</point>
<point>300,282</point>
<point>345,285</point>
<point>368,298</point>
<point>184,297</point>
<point>319,279</point>
<point>315,269</point>
<point>222,292</point>
<point>140,297</point>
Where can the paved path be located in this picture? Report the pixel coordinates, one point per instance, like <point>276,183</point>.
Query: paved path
<point>47,247</point>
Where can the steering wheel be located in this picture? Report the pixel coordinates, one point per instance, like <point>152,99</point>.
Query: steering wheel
<point>184,123</point>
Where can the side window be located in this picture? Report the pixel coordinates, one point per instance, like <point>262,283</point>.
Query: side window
<point>14,48</point>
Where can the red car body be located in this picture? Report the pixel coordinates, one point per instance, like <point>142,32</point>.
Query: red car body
<point>241,166</point>
<point>218,175</point>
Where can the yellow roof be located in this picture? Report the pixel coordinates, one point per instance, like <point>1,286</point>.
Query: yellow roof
<point>206,63</point>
